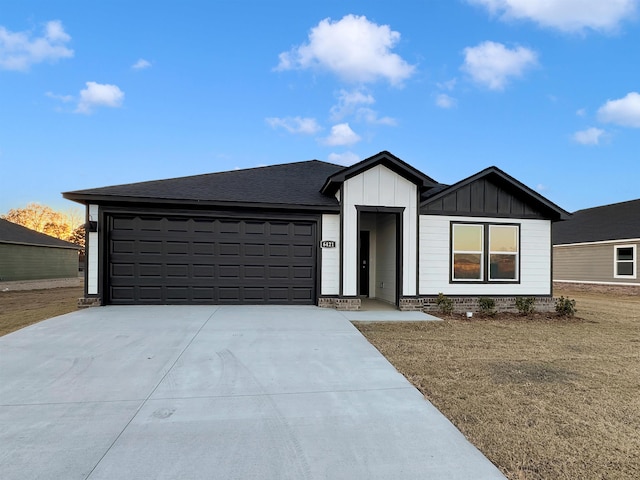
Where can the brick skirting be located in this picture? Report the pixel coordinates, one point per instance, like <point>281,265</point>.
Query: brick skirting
<point>340,303</point>
<point>86,302</point>
<point>470,304</point>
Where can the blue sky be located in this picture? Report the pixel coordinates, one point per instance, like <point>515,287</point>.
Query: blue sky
<point>108,92</point>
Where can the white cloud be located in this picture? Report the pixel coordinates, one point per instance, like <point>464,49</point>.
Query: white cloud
<point>445,101</point>
<point>62,98</point>
<point>341,134</point>
<point>370,116</point>
<point>564,15</point>
<point>346,158</point>
<point>581,112</point>
<point>141,64</point>
<point>492,64</point>
<point>353,48</point>
<point>306,125</point>
<point>540,187</point>
<point>589,136</point>
<point>99,95</point>
<point>20,50</point>
<point>448,85</point>
<point>349,102</point>
<point>624,111</point>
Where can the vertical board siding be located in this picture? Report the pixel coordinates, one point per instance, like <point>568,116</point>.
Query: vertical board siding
<point>379,186</point>
<point>92,257</point>
<point>27,262</point>
<point>434,265</point>
<point>590,263</point>
<point>330,268</point>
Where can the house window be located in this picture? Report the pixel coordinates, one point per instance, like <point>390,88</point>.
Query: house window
<point>485,253</point>
<point>468,252</point>
<point>624,261</point>
<point>503,252</point>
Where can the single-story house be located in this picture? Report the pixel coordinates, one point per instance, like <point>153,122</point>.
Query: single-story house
<point>317,233</point>
<point>599,245</point>
<point>29,255</point>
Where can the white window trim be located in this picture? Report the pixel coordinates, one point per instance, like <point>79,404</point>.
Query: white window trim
<point>633,261</point>
<point>516,254</point>
<point>481,253</point>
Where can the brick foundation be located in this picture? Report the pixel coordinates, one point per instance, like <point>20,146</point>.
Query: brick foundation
<point>340,303</point>
<point>503,304</point>
<point>86,302</point>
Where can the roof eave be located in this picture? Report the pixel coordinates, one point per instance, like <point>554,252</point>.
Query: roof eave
<point>85,199</point>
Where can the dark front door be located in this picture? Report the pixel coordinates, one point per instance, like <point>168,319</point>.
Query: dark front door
<point>182,260</point>
<point>364,263</point>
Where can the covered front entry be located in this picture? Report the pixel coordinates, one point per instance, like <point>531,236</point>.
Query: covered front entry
<point>200,260</point>
<point>379,248</point>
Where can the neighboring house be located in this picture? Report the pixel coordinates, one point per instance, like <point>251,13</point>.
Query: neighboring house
<point>599,245</point>
<point>317,233</point>
<point>29,255</point>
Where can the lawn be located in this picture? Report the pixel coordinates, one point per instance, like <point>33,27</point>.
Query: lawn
<point>542,397</point>
<point>24,307</point>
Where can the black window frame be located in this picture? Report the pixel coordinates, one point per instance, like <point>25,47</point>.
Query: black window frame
<point>486,254</point>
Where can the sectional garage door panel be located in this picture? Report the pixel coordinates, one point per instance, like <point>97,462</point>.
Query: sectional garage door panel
<point>174,260</point>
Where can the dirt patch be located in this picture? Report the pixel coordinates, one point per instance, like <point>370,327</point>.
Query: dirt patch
<point>21,308</point>
<point>542,397</point>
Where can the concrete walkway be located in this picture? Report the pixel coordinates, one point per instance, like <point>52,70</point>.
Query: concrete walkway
<point>216,393</point>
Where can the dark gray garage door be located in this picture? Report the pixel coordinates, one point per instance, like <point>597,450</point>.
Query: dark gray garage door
<point>173,260</point>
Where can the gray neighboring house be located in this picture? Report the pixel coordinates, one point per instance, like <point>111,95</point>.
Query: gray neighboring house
<point>317,233</point>
<point>29,255</point>
<point>599,245</point>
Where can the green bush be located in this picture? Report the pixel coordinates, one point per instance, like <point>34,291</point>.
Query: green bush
<point>525,305</point>
<point>565,307</point>
<point>487,305</point>
<point>444,303</point>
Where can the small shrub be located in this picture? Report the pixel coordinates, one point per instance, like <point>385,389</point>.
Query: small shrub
<point>444,303</point>
<point>487,305</point>
<point>565,307</point>
<point>525,305</point>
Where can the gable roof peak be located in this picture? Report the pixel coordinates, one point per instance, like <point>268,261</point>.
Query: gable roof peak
<point>385,158</point>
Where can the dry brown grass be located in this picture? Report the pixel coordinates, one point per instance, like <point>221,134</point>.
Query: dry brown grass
<point>25,307</point>
<point>543,398</point>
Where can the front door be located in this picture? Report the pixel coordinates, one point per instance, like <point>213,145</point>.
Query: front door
<point>364,263</point>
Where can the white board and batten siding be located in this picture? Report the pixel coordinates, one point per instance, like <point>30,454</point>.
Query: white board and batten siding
<point>379,186</point>
<point>330,264</point>
<point>435,259</point>
<point>92,254</point>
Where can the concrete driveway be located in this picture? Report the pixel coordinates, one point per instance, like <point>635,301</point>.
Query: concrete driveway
<point>209,392</point>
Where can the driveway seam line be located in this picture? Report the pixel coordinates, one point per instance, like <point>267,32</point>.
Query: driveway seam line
<point>143,403</point>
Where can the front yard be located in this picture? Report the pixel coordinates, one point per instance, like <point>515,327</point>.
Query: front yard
<point>543,398</point>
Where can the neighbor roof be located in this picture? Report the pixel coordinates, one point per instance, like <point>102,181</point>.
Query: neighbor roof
<point>618,221</point>
<point>290,184</point>
<point>17,234</point>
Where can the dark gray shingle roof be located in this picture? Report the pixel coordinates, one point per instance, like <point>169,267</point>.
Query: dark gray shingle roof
<point>14,233</point>
<point>617,221</point>
<point>296,184</point>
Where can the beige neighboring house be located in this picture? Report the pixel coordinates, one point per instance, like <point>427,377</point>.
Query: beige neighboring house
<point>599,245</point>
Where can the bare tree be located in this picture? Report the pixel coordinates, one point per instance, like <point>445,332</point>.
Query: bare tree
<point>41,218</point>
